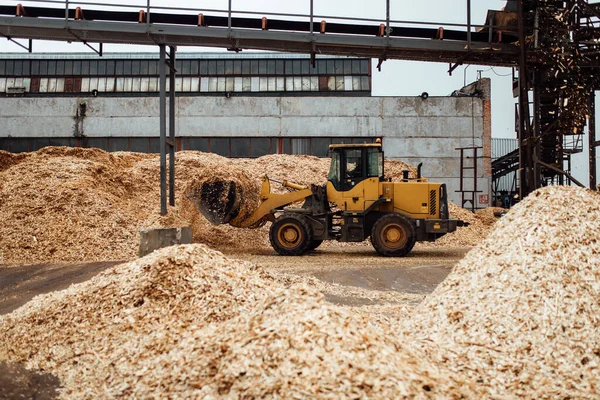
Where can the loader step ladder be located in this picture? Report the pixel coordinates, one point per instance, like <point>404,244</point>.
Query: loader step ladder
<point>468,171</point>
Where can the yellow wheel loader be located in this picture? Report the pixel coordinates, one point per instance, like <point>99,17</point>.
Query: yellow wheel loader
<point>356,203</point>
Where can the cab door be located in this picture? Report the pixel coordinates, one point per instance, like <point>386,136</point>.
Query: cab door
<point>353,168</point>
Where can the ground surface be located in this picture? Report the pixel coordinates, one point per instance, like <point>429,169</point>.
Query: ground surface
<point>347,267</point>
<point>19,284</point>
<point>355,266</point>
<point>360,266</point>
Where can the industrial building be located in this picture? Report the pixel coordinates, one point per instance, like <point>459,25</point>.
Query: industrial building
<point>244,105</point>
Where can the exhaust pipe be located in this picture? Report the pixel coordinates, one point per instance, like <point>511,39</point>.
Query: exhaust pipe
<point>419,170</point>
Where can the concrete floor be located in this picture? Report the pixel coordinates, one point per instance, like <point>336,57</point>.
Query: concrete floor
<point>351,266</point>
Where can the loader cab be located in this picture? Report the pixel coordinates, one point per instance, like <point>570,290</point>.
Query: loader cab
<point>353,163</point>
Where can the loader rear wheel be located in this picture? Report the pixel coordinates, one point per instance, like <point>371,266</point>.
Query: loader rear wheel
<point>290,235</point>
<point>393,235</point>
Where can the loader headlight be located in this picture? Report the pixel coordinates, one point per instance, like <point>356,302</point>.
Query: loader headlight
<point>444,213</point>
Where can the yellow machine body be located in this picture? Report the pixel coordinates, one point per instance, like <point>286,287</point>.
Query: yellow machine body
<point>356,203</point>
<point>417,200</point>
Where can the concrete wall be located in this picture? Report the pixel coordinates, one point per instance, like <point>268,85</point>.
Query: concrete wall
<point>413,129</point>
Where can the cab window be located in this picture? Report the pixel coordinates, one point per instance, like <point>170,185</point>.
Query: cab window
<point>375,163</point>
<point>334,170</point>
<point>353,164</point>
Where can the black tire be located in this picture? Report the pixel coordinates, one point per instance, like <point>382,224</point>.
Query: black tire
<point>393,235</point>
<point>314,244</point>
<point>290,234</point>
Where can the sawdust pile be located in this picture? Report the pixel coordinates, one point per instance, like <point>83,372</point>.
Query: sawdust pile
<point>481,224</point>
<point>186,322</point>
<point>175,218</point>
<point>8,159</point>
<point>79,206</point>
<point>521,312</point>
<point>73,204</point>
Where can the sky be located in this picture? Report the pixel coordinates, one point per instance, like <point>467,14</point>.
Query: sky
<point>397,78</point>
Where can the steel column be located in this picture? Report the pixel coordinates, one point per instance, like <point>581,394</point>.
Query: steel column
<point>311,17</point>
<point>387,19</point>
<point>148,15</point>
<point>229,16</point>
<point>468,25</point>
<point>526,178</point>
<point>163,129</point>
<point>173,71</point>
<point>535,131</point>
<point>592,141</point>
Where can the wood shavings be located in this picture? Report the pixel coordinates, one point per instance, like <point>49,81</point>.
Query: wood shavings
<point>521,312</point>
<point>74,204</point>
<point>481,224</point>
<point>187,322</point>
<point>173,219</point>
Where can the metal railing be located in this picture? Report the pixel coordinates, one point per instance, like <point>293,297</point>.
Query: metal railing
<point>386,20</point>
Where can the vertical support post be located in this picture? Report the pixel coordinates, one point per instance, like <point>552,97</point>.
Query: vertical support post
<point>66,13</point>
<point>468,25</point>
<point>592,141</point>
<point>536,129</point>
<point>312,13</point>
<point>462,170</point>
<point>525,157</point>
<point>148,15</point>
<point>474,178</point>
<point>387,20</point>
<point>229,16</point>
<point>163,129</point>
<point>491,29</point>
<point>173,50</point>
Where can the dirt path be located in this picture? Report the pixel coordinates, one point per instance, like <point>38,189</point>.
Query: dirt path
<point>16,382</point>
<point>352,266</point>
<point>19,284</point>
<point>361,267</point>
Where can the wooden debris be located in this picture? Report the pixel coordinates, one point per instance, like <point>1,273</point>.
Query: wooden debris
<point>187,322</point>
<point>519,317</point>
<point>521,312</point>
<point>481,224</point>
<point>74,204</point>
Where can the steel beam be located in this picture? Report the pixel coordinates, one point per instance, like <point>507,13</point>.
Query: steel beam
<point>163,129</point>
<point>500,54</point>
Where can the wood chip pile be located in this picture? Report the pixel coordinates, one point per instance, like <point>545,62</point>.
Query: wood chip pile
<point>481,224</point>
<point>519,317</point>
<point>73,204</point>
<point>521,312</point>
<point>187,322</point>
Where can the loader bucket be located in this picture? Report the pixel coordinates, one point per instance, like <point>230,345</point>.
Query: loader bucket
<point>218,201</point>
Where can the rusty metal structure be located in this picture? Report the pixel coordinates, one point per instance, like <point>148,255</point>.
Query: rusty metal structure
<point>559,64</point>
<point>554,45</point>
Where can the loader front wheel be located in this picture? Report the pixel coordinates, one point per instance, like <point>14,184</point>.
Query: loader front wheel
<point>393,235</point>
<point>290,235</point>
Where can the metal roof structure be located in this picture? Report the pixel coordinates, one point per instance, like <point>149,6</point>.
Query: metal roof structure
<point>554,43</point>
<point>385,39</point>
